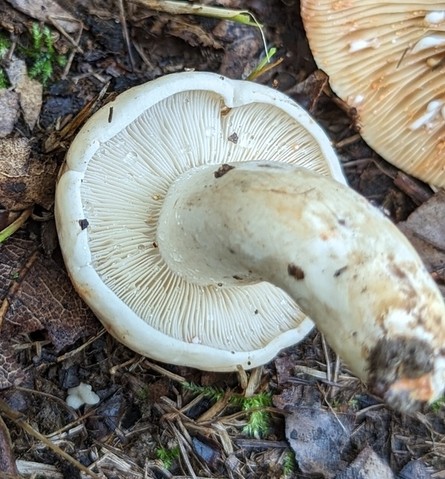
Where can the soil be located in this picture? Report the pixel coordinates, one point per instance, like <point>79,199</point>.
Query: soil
<point>148,424</point>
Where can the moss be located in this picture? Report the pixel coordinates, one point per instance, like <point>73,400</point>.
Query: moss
<point>41,54</point>
<point>258,419</point>
<point>167,456</point>
<point>5,45</point>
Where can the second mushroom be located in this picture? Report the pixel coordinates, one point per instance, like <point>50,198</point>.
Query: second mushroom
<point>199,216</point>
<point>386,60</point>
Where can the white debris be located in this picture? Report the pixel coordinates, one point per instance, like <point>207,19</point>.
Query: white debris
<point>357,45</point>
<point>433,109</point>
<point>435,17</point>
<point>357,99</point>
<point>80,395</point>
<point>430,41</point>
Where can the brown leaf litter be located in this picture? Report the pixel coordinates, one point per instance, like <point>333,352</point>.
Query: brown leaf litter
<point>36,295</point>
<point>25,179</point>
<point>29,91</point>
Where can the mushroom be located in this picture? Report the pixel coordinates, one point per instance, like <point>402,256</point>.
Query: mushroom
<point>197,215</point>
<point>387,61</point>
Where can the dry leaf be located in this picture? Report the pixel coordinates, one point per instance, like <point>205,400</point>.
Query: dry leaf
<point>309,91</point>
<point>427,221</point>
<point>44,299</point>
<point>311,431</point>
<point>29,91</point>
<point>425,229</point>
<point>36,295</point>
<point>24,180</point>
<point>47,11</point>
<point>243,45</point>
<point>7,459</point>
<point>192,33</point>
<point>11,373</point>
<point>9,111</point>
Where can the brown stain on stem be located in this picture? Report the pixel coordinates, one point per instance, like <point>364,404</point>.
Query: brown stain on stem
<point>295,271</point>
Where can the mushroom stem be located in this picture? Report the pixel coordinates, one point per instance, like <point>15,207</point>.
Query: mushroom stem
<point>345,264</point>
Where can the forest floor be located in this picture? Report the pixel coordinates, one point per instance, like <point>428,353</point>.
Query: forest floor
<point>156,420</point>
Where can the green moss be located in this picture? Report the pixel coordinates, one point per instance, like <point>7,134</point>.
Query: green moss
<point>143,394</point>
<point>167,456</point>
<point>289,465</point>
<point>210,392</point>
<point>5,45</point>
<point>41,54</point>
<point>258,422</point>
<point>258,419</point>
<point>4,83</point>
<point>436,406</point>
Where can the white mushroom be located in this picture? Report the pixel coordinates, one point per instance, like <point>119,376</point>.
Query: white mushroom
<point>188,218</point>
<point>387,61</point>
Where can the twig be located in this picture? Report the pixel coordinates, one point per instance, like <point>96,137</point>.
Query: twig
<point>51,397</point>
<point>15,225</point>
<point>327,358</point>
<point>123,20</point>
<point>165,372</point>
<point>334,413</point>
<point>17,418</point>
<point>7,459</point>
<point>254,381</point>
<point>186,8</point>
<point>181,443</point>
<point>72,353</point>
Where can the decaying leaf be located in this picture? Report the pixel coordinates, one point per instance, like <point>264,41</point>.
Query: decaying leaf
<point>426,222</point>
<point>36,295</point>
<point>30,91</point>
<point>11,373</point>
<point>367,465</point>
<point>24,180</point>
<point>9,111</point>
<point>192,33</point>
<point>426,231</point>
<point>47,11</point>
<point>242,42</point>
<point>8,466</point>
<point>309,91</point>
<point>311,431</point>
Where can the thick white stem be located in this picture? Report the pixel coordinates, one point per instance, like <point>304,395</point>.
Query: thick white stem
<point>339,258</point>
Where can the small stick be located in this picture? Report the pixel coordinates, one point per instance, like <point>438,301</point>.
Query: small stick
<point>17,419</point>
<point>185,8</point>
<point>14,226</point>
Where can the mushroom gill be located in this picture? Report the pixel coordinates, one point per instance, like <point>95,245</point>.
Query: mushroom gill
<point>387,61</point>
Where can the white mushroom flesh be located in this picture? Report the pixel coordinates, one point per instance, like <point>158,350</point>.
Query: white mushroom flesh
<point>156,218</point>
<point>131,265</point>
<point>116,179</point>
<point>344,263</point>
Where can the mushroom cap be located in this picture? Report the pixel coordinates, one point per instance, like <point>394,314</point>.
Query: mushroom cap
<point>110,193</point>
<point>387,61</point>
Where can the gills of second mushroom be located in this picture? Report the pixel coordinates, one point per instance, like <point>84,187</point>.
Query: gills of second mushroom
<point>346,265</point>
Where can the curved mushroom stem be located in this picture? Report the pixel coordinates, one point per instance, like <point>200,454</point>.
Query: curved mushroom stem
<point>347,266</point>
